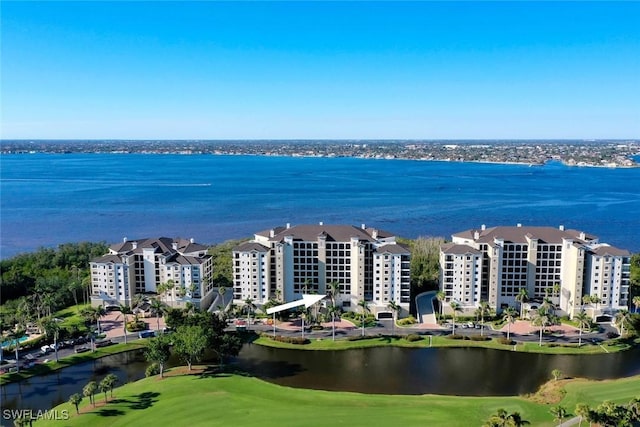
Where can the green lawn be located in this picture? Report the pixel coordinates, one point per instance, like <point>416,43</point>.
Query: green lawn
<point>437,341</point>
<point>233,400</point>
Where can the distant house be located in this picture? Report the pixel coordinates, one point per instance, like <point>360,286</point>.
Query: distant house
<point>285,262</point>
<point>141,266</point>
<point>494,264</point>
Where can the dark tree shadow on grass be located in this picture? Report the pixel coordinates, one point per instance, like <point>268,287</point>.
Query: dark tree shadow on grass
<point>110,412</point>
<point>145,400</point>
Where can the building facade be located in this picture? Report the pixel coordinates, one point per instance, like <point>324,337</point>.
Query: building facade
<point>494,264</point>
<point>142,266</point>
<point>285,262</point>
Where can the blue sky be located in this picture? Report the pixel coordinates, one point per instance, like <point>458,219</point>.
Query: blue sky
<point>253,70</point>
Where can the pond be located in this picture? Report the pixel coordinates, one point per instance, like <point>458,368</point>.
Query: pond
<point>452,371</point>
<point>388,370</point>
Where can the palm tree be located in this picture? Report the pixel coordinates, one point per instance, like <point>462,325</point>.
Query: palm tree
<point>559,413</point>
<point>583,321</point>
<point>456,308</point>
<point>586,299</point>
<point>582,410</point>
<point>515,419</point>
<point>89,390</point>
<point>595,299</point>
<point>333,310</point>
<point>636,302</point>
<point>111,380</point>
<point>541,319</point>
<point>75,400</point>
<point>395,309</point>
<point>440,296</point>
<point>221,291</point>
<point>365,309</point>
<point>52,329</point>
<point>622,318</point>
<point>15,335</point>
<point>548,306</point>
<point>484,310</point>
<point>164,288</point>
<point>334,291</point>
<point>125,310</point>
<point>522,297</point>
<point>509,316</point>
<point>104,387</point>
<point>159,309</point>
<point>249,306</point>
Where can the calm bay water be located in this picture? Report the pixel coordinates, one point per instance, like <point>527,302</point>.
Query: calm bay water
<point>47,199</point>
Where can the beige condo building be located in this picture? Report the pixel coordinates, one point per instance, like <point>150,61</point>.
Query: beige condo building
<point>493,264</point>
<point>284,262</point>
<point>140,266</point>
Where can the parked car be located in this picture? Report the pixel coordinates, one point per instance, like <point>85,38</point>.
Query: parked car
<point>103,343</point>
<point>82,349</point>
<point>146,334</point>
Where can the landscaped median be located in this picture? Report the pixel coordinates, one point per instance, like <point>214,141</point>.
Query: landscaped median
<point>45,368</point>
<point>206,398</point>
<point>441,341</point>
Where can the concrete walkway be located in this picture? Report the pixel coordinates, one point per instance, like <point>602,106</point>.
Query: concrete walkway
<point>424,307</point>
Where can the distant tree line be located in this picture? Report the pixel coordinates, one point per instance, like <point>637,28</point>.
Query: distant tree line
<point>52,268</point>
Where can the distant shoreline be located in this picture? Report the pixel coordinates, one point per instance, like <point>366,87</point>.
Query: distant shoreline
<point>619,161</point>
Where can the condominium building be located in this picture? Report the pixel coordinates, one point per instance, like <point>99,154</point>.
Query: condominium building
<point>494,264</point>
<point>285,262</point>
<point>141,266</point>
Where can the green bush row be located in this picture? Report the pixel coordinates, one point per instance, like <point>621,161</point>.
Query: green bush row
<point>413,337</point>
<point>291,340</point>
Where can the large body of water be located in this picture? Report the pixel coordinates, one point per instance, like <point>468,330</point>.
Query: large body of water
<point>47,199</point>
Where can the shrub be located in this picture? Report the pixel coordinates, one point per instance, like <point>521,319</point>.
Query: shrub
<point>291,340</point>
<point>153,369</point>
<point>413,337</point>
<point>505,341</point>
<point>455,337</point>
<point>479,338</point>
<point>317,328</point>
<point>136,325</point>
<point>407,321</point>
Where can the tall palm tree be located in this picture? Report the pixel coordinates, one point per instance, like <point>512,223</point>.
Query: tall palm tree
<point>395,309</point>
<point>332,311</point>
<point>636,302</point>
<point>111,380</point>
<point>559,413</point>
<point>440,296</point>
<point>595,299</point>
<point>522,297</point>
<point>622,318</point>
<point>456,308</point>
<point>89,390</point>
<point>334,291</point>
<point>509,316</point>
<point>125,311</point>
<point>52,330</point>
<point>485,310</point>
<point>249,306</point>
<point>583,321</point>
<point>541,319</point>
<point>75,400</point>
<point>15,335</point>
<point>159,309</point>
<point>221,291</point>
<point>515,420</point>
<point>364,305</point>
<point>582,410</point>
